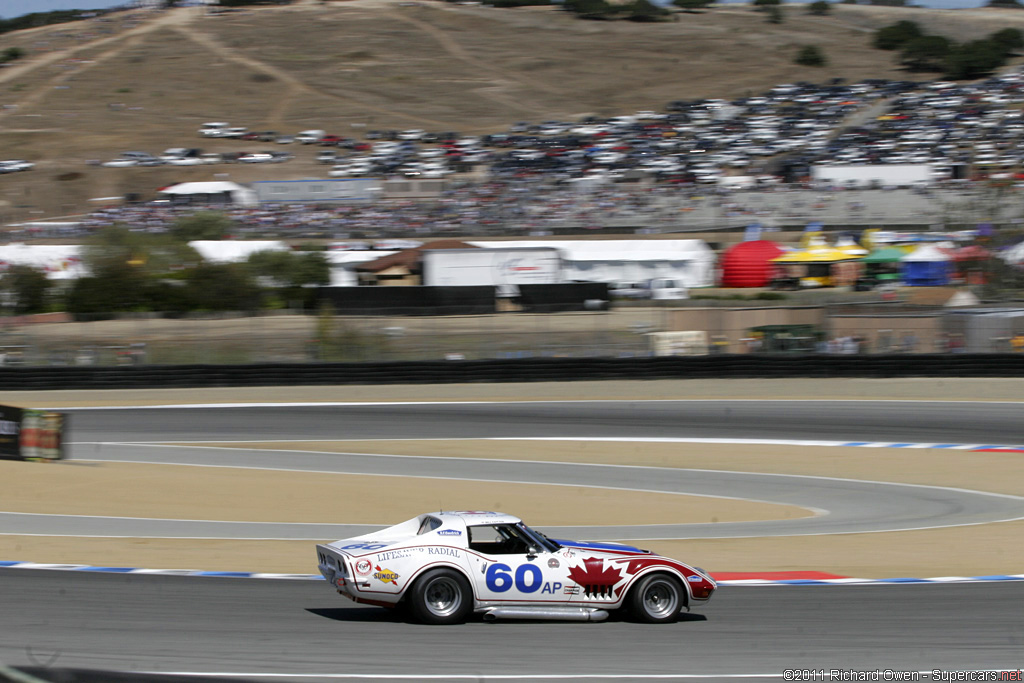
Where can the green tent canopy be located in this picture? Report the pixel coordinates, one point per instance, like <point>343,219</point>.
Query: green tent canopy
<point>887,255</point>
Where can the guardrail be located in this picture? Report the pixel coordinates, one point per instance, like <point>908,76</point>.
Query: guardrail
<point>512,370</point>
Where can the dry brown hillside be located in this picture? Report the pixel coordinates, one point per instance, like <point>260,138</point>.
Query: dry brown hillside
<point>145,80</point>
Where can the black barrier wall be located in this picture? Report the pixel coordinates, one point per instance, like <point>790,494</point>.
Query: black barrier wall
<point>410,300</point>
<point>10,429</point>
<point>27,434</point>
<point>517,370</point>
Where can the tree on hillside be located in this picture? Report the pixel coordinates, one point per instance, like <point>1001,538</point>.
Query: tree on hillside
<point>295,276</point>
<point>645,11</point>
<point>894,36</point>
<point>37,19</point>
<point>519,3</point>
<point>24,289</point>
<point>222,287</point>
<point>692,5</point>
<point>775,15</point>
<point>1009,39</point>
<point>974,59</point>
<point>1013,4</point>
<point>202,225</point>
<point>819,7</point>
<point>810,55</point>
<point>590,9</point>
<point>10,54</point>
<point>926,53</point>
<point>127,272</point>
<point>764,4</point>
<point>113,249</point>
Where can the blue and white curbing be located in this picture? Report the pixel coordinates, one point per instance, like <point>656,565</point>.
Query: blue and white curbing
<point>826,443</point>
<point>317,577</point>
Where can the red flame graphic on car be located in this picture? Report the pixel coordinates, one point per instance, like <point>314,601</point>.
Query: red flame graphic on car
<point>594,576</point>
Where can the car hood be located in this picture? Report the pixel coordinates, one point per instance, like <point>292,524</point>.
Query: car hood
<point>616,548</point>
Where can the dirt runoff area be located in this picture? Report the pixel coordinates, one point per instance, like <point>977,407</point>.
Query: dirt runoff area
<point>234,494</point>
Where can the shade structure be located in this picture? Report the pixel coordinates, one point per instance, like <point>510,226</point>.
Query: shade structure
<point>926,266</point>
<point>846,244</point>
<point>816,255</point>
<point>749,264</point>
<point>887,255</point>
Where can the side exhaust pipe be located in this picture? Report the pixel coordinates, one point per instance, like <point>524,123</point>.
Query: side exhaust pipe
<point>551,613</point>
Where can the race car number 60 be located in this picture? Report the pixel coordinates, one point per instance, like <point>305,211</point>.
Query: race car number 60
<point>500,580</point>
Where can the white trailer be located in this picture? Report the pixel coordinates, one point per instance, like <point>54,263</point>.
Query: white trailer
<point>865,176</point>
<point>497,267</point>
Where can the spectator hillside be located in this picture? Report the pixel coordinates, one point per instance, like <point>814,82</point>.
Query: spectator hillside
<point>84,92</point>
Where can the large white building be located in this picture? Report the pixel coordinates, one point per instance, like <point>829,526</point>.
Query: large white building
<point>691,261</point>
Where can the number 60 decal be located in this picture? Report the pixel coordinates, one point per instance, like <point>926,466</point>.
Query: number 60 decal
<point>499,578</point>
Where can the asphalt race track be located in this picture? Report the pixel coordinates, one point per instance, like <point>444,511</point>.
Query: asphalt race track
<point>249,629</point>
<point>156,623</point>
<point>937,422</point>
<point>844,506</point>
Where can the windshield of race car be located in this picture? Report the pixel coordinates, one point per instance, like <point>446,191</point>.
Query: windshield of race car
<point>508,539</point>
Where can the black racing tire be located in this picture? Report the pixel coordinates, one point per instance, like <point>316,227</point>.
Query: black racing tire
<point>657,599</point>
<point>441,596</point>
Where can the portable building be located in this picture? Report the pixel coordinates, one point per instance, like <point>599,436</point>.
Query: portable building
<point>691,262</point>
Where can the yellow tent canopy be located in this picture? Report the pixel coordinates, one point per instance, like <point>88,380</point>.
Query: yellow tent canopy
<point>816,255</point>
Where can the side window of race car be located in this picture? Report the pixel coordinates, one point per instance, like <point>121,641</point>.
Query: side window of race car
<point>428,524</point>
<point>497,539</point>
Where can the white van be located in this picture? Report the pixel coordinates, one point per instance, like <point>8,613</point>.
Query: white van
<point>668,288</point>
<point>214,129</point>
<point>309,137</point>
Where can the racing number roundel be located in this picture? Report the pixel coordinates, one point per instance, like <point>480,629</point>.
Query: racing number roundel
<point>499,578</point>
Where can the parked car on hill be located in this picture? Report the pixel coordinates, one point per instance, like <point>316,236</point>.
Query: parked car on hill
<point>15,165</point>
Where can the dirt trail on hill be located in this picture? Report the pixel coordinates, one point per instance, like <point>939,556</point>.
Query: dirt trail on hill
<point>123,41</point>
<point>511,80</point>
<point>296,86</point>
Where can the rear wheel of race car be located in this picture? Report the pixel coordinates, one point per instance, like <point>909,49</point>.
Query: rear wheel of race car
<point>656,599</point>
<point>441,596</point>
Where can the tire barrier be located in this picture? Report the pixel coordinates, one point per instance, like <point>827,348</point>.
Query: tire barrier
<point>746,366</point>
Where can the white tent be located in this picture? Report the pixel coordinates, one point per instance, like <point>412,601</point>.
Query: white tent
<point>691,261</point>
<point>232,251</point>
<point>233,192</point>
<point>60,261</point>
<point>343,263</point>
<point>1014,255</point>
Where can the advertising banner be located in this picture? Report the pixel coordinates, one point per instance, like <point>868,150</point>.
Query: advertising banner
<point>10,423</point>
<point>27,434</point>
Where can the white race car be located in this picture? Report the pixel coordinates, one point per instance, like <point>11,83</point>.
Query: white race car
<point>442,566</point>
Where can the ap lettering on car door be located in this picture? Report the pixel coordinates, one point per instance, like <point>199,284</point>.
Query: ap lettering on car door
<point>507,566</point>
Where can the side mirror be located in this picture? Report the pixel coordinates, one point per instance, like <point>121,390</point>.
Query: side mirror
<point>532,551</point>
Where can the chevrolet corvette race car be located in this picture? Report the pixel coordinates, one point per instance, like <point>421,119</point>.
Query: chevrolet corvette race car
<point>442,566</point>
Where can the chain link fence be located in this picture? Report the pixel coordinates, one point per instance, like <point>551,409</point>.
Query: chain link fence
<point>618,333</point>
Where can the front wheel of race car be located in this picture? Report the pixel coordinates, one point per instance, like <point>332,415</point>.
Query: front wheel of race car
<point>441,596</point>
<point>656,599</point>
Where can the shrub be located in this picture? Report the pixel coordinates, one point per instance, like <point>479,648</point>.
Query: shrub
<point>894,36</point>
<point>810,55</point>
<point>926,53</point>
<point>645,10</point>
<point>975,59</point>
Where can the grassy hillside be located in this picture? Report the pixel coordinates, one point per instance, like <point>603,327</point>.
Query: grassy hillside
<point>146,79</point>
